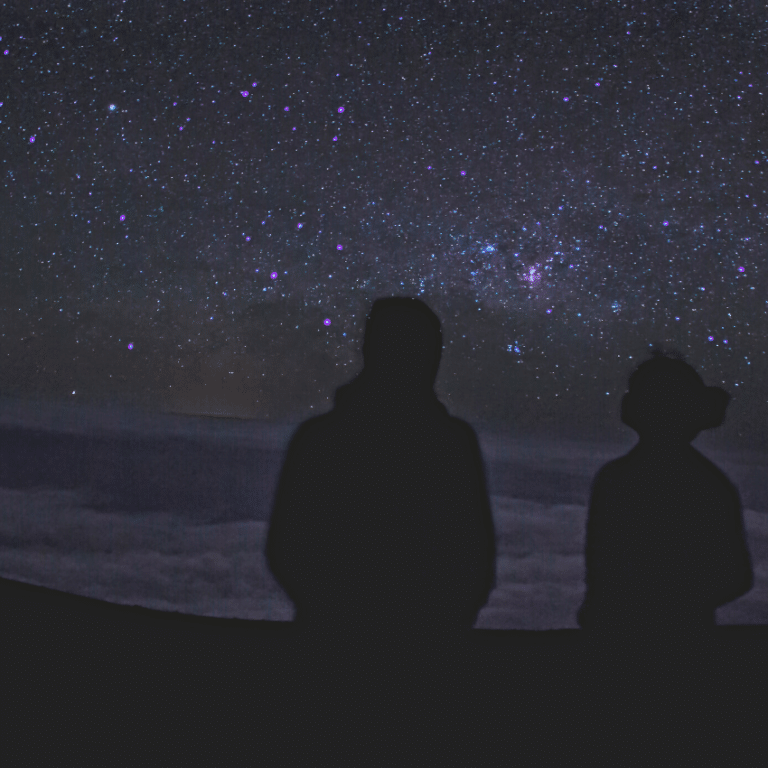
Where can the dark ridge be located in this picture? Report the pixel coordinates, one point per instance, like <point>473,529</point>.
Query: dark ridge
<point>85,678</point>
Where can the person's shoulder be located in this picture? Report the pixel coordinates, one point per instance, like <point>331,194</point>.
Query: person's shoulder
<point>310,429</point>
<point>461,430</point>
<point>615,467</point>
<point>713,473</point>
<point>459,424</point>
<point>614,475</point>
<point>705,462</point>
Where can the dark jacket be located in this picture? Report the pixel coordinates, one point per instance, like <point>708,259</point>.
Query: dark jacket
<point>665,542</point>
<point>381,515</point>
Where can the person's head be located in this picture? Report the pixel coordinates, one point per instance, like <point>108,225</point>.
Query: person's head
<point>403,341</point>
<point>667,399</point>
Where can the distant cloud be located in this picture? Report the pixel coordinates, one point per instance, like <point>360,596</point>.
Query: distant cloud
<point>161,561</point>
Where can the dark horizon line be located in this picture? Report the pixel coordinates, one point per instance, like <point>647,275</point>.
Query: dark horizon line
<point>39,596</point>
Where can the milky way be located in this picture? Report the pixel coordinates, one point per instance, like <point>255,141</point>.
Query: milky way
<point>199,206</point>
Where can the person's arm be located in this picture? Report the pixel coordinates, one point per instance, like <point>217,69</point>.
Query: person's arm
<point>474,538</point>
<point>461,564</point>
<point>736,577</point>
<point>594,550</point>
<point>595,575</point>
<point>484,527</point>
<point>286,550</point>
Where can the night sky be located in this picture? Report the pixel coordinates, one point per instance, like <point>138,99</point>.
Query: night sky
<point>200,204</point>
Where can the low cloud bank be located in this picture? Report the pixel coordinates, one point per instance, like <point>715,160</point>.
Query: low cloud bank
<point>160,560</point>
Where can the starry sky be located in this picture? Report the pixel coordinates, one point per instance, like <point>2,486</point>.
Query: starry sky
<point>199,204</point>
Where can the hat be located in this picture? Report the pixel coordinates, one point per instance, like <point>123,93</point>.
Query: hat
<point>665,392</point>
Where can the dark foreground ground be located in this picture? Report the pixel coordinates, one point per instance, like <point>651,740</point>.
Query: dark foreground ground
<point>86,682</point>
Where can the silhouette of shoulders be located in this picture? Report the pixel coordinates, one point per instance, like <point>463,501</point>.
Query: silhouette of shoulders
<point>665,535</point>
<point>667,475</point>
<point>381,514</point>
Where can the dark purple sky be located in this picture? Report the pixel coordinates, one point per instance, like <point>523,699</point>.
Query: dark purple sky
<point>199,205</point>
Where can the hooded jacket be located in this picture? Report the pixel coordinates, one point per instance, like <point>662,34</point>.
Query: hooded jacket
<point>381,514</point>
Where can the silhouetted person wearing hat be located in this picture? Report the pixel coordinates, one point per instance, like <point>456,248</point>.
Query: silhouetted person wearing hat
<point>665,539</point>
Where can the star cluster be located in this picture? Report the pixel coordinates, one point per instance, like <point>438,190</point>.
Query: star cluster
<point>199,204</point>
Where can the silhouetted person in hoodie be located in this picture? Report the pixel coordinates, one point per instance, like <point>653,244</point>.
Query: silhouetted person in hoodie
<point>381,518</point>
<point>665,541</point>
<point>382,536</point>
